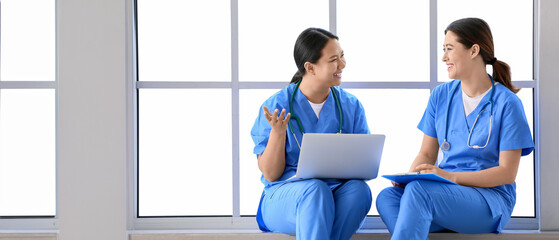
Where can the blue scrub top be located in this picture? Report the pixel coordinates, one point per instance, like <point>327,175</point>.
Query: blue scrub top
<point>354,121</point>
<point>510,131</point>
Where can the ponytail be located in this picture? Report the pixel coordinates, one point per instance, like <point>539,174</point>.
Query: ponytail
<point>298,75</point>
<point>501,74</point>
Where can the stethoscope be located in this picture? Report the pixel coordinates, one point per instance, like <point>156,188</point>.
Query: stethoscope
<point>446,145</point>
<point>297,119</point>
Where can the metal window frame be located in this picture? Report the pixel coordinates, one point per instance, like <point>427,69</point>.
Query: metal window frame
<point>236,222</point>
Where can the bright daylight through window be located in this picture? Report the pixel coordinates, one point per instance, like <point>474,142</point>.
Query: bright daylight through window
<point>202,79</point>
<point>27,108</point>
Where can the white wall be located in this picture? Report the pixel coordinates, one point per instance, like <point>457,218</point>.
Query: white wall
<point>549,113</point>
<point>91,128</point>
<point>93,165</point>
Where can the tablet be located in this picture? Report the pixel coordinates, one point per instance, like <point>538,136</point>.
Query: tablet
<point>405,178</point>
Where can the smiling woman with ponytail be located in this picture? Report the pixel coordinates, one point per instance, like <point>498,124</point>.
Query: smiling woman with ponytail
<point>478,123</point>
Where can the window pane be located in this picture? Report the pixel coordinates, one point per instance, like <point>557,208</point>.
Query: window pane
<point>251,186</point>
<point>184,40</point>
<point>512,30</point>
<point>27,152</point>
<point>387,46</point>
<point>27,40</point>
<point>525,193</point>
<point>267,34</point>
<point>185,152</point>
<point>395,113</point>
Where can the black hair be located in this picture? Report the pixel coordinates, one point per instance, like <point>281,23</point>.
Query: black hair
<point>308,48</point>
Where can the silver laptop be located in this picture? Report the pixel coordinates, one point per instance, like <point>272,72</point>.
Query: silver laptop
<point>340,156</point>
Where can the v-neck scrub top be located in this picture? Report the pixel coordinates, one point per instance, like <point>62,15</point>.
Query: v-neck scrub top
<point>354,121</point>
<point>510,131</point>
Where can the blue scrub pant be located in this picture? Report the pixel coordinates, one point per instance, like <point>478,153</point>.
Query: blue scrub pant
<point>314,209</point>
<point>427,206</point>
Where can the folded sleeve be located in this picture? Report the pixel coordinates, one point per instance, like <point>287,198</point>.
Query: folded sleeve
<point>427,123</point>
<point>515,131</point>
<point>360,123</point>
<point>260,132</point>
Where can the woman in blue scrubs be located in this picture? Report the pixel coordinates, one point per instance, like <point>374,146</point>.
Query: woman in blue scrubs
<point>312,208</point>
<point>480,126</point>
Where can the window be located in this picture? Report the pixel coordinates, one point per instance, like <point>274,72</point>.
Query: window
<point>181,123</point>
<point>267,36</point>
<point>169,145</point>
<point>27,108</point>
<point>377,51</point>
<point>197,104</point>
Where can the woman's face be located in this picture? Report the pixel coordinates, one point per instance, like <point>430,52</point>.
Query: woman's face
<point>457,58</point>
<point>328,69</point>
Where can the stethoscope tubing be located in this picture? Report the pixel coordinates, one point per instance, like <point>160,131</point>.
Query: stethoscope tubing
<point>294,117</point>
<point>446,145</point>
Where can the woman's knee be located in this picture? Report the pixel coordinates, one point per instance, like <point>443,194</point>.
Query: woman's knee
<point>359,187</point>
<point>419,188</point>
<point>363,190</point>
<point>317,189</point>
<point>316,185</point>
<point>417,194</point>
<point>359,184</point>
<point>390,194</point>
<point>358,190</point>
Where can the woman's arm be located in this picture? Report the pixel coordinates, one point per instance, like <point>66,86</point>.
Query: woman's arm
<point>427,154</point>
<point>505,173</point>
<point>272,161</point>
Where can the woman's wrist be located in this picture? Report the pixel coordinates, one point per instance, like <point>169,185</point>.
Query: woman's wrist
<point>452,176</point>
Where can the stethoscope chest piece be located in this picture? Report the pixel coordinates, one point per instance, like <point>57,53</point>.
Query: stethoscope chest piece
<point>445,146</point>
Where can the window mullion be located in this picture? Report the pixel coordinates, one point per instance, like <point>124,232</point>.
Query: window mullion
<point>433,81</point>
<point>235,106</point>
<point>332,16</point>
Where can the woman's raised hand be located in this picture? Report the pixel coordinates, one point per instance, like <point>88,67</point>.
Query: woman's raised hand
<point>278,123</point>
